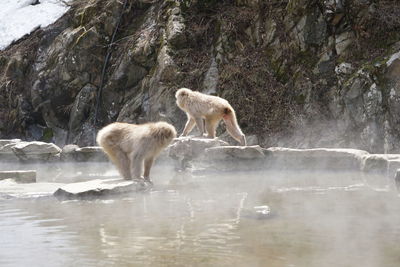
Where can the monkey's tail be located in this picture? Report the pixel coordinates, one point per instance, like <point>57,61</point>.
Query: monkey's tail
<point>230,117</point>
<point>233,127</point>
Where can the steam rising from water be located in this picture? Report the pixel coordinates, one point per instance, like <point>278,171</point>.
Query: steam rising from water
<point>315,219</point>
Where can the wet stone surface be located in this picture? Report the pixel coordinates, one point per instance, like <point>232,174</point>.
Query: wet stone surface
<point>100,188</point>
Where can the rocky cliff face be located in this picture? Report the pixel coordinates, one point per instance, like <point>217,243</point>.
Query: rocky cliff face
<point>300,73</point>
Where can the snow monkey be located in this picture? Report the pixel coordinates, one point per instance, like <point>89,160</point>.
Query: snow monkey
<point>132,146</point>
<point>211,109</point>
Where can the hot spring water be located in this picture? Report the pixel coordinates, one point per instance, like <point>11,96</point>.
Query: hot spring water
<point>265,218</point>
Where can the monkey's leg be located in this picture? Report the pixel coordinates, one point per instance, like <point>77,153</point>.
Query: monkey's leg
<point>200,125</point>
<point>188,127</point>
<point>122,163</point>
<point>147,166</point>
<point>211,125</point>
<point>136,166</point>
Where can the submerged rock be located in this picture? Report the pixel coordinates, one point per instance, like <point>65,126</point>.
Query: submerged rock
<point>100,188</point>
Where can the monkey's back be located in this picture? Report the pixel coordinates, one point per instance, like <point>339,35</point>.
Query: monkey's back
<point>209,104</point>
<point>125,136</point>
<point>112,134</point>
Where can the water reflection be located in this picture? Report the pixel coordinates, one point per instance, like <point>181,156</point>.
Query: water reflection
<point>319,220</point>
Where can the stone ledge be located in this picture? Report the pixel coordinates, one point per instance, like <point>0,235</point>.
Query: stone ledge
<point>190,148</point>
<point>376,163</point>
<point>233,153</point>
<point>19,176</point>
<point>83,154</point>
<point>7,154</point>
<point>317,158</point>
<point>230,158</point>
<point>35,151</point>
<point>99,188</point>
<point>4,142</point>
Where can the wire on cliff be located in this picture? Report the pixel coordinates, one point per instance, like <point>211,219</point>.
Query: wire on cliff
<point>103,72</point>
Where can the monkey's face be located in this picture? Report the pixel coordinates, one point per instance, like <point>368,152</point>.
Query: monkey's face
<point>168,134</point>
<point>164,132</point>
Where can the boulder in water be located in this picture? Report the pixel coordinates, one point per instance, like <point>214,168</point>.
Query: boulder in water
<point>100,188</point>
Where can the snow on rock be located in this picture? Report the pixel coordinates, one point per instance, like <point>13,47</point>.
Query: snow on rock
<point>20,17</point>
<point>394,57</point>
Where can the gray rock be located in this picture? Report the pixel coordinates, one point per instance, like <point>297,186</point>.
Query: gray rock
<point>176,29</point>
<point>167,69</point>
<point>190,148</point>
<point>233,153</point>
<point>36,151</point>
<point>7,154</point>
<point>84,154</point>
<point>252,140</point>
<point>270,26</point>
<point>4,142</point>
<point>27,176</point>
<point>230,158</point>
<point>344,68</point>
<point>393,164</point>
<point>69,148</point>
<point>397,179</point>
<point>81,112</point>
<point>315,29</point>
<point>376,163</point>
<point>91,153</point>
<point>317,158</point>
<point>343,41</point>
<point>99,188</point>
<point>211,79</point>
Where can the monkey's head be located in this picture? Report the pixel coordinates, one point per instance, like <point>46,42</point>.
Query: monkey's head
<point>163,132</point>
<point>181,96</point>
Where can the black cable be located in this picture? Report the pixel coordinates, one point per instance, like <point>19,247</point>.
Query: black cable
<point>103,73</point>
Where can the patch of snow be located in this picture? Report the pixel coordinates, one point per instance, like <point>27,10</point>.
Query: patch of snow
<point>20,17</point>
<point>393,58</point>
<point>392,93</point>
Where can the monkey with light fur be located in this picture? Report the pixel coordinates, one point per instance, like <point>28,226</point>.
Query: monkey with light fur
<point>134,146</point>
<point>210,109</point>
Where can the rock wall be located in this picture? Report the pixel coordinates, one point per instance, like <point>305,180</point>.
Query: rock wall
<point>301,73</point>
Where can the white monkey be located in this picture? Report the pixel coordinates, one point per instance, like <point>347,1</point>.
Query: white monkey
<point>131,146</point>
<point>211,109</point>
